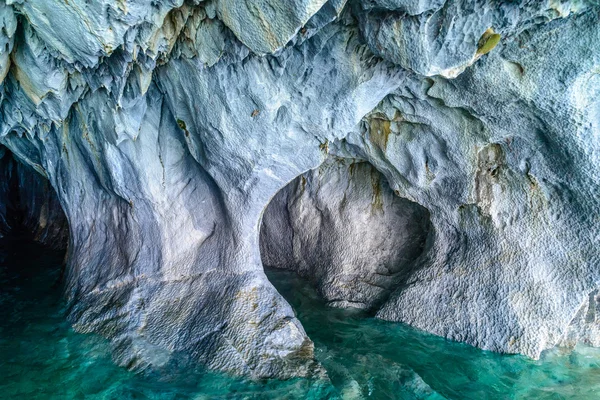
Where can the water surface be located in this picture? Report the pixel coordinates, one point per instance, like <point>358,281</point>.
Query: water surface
<point>41,357</point>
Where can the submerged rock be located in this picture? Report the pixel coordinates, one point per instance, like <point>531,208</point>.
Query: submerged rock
<point>166,128</point>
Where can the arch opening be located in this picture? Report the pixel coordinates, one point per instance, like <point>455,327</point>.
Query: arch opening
<point>33,242</point>
<point>29,207</point>
<point>341,227</point>
<point>33,238</point>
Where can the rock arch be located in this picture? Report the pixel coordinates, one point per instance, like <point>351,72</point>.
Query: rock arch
<point>343,228</point>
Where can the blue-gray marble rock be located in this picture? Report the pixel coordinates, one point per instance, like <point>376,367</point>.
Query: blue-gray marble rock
<point>166,128</point>
<point>342,227</point>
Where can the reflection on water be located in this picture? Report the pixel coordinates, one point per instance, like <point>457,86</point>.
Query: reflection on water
<point>42,358</point>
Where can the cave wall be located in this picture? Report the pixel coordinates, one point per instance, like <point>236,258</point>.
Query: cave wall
<point>166,127</point>
<point>505,157</point>
<point>343,228</point>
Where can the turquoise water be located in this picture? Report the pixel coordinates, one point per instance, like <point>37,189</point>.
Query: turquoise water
<point>42,358</point>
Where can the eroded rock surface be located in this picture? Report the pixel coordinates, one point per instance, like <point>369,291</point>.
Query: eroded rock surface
<point>166,127</point>
<point>505,159</point>
<point>342,227</point>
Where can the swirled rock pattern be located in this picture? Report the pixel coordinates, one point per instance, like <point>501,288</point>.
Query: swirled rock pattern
<point>166,127</point>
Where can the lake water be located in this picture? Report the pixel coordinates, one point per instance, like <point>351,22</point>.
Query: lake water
<point>42,358</point>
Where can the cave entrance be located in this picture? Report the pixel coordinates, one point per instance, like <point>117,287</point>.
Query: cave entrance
<point>341,227</point>
<point>33,241</point>
<point>29,206</point>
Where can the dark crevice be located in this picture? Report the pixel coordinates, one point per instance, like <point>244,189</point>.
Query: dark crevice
<point>32,221</point>
<point>13,214</point>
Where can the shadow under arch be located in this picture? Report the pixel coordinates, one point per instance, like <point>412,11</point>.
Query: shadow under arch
<point>341,227</point>
<point>32,221</point>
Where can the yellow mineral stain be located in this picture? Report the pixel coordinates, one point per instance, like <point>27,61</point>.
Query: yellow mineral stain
<point>488,41</point>
<point>380,130</point>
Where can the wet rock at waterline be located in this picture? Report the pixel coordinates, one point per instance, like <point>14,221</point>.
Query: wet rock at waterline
<point>166,129</point>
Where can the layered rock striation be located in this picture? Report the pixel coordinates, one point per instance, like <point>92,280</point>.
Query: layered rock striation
<point>166,128</point>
